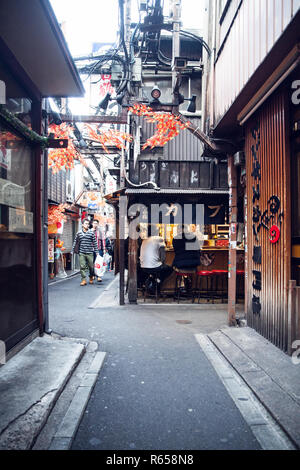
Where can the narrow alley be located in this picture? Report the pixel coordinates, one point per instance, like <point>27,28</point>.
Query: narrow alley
<point>156,388</point>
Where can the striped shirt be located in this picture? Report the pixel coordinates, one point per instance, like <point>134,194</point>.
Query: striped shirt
<point>87,242</point>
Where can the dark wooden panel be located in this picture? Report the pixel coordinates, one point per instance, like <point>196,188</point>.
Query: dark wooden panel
<point>144,172</point>
<point>152,172</point>
<point>184,174</point>
<point>204,180</point>
<point>223,177</point>
<point>194,175</point>
<point>164,174</point>
<point>174,175</point>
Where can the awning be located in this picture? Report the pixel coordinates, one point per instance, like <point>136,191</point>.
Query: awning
<point>31,32</point>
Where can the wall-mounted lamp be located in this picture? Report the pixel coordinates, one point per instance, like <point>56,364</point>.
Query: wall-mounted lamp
<point>155,93</point>
<point>104,103</point>
<point>192,105</point>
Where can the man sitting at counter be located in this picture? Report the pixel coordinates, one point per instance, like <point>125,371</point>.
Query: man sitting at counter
<point>153,255</point>
<point>187,250</point>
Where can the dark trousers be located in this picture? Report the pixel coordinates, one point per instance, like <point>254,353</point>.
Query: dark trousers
<point>162,272</point>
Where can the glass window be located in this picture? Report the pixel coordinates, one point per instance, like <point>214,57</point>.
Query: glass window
<point>16,209</point>
<point>17,100</point>
<point>17,286</point>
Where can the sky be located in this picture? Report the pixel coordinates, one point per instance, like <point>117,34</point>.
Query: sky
<point>85,22</point>
<point>88,21</point>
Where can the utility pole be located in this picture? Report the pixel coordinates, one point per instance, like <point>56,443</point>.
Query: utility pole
<point>176,15</point>
<point>122,203</point>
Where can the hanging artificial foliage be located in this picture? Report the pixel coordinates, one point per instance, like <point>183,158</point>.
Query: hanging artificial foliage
<point>168,125</point>
<point>63,157</point>
<point>56,214</point>
<point>20,127</point>
<point>110,137</point>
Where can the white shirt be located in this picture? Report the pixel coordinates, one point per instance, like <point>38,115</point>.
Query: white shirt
<point>149,256</point>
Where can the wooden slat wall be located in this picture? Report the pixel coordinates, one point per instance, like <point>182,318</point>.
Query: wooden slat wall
<point>274,158</point>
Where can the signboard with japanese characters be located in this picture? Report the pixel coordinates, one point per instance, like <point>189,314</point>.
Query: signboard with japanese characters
<point>20,221</point>
<point>268,218</point>
<point>50,250</point>
<point>12,194</point>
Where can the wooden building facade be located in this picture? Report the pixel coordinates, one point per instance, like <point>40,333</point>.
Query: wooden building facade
<point>35,63</point>
<point>256,105</point>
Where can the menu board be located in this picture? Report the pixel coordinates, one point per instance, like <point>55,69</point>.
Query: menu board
<point>20,221</point>
<point>50,250</point>
<point>12,194</point>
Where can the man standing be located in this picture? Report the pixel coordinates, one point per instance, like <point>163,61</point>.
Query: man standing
<point>85,242</point>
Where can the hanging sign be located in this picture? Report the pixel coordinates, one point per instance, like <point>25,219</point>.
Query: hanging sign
<point>50,250</point>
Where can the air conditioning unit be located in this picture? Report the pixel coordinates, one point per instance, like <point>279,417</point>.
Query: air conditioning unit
<point>69,195</point>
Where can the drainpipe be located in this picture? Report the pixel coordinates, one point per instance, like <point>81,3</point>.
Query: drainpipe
<point>36,125</point>
<point>212,65</point>
<point>206,65</point>
<point>45,232</point>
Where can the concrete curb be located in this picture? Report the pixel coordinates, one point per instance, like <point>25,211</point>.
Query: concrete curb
<point>267,432</point>
<point>65,434</point>
<point>276,399</point>
<point>57,281</point>
<point>27,405</point>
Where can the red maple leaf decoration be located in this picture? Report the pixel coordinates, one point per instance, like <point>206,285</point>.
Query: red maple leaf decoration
<point>110,137</point>
<point>63,158</point>
<point>168,125</point>
<point>56,213</point>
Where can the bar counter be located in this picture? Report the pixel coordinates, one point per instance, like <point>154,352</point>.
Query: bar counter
<point>211,258</point>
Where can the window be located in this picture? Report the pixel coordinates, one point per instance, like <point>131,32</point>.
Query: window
<point>17,100</point>
<point>16,211</point>
<point>17,286</point>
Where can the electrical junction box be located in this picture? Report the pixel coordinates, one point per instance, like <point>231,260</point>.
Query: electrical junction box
<point>117,72</point>
<point>179,63</point>
<point>136,74</point>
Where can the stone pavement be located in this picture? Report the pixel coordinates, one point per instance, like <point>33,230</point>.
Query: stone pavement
<point>48,371</point>
<point>269,373</point>
<point>45,388</point>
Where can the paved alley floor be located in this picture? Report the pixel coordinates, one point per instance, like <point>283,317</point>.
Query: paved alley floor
<point>156,390</point>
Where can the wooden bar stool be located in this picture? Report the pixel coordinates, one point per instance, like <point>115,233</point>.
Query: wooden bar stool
<point>187,277</point>
<point>221,279</point>
<point>204,293</point>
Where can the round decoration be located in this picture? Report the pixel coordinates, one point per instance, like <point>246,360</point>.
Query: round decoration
<point>274,233</point>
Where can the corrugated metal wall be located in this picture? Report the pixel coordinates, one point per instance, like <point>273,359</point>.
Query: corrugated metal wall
<point>67,236</point>
<point>270,146</point>
<point>246,42</point>
<point>57,186</point>
<point>184,147</point>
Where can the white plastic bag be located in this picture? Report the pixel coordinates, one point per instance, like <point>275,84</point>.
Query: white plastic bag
<point>106,261</point>
<point>99,267</point>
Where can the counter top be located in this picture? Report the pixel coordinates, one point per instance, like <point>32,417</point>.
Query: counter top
<point>209,248</point>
